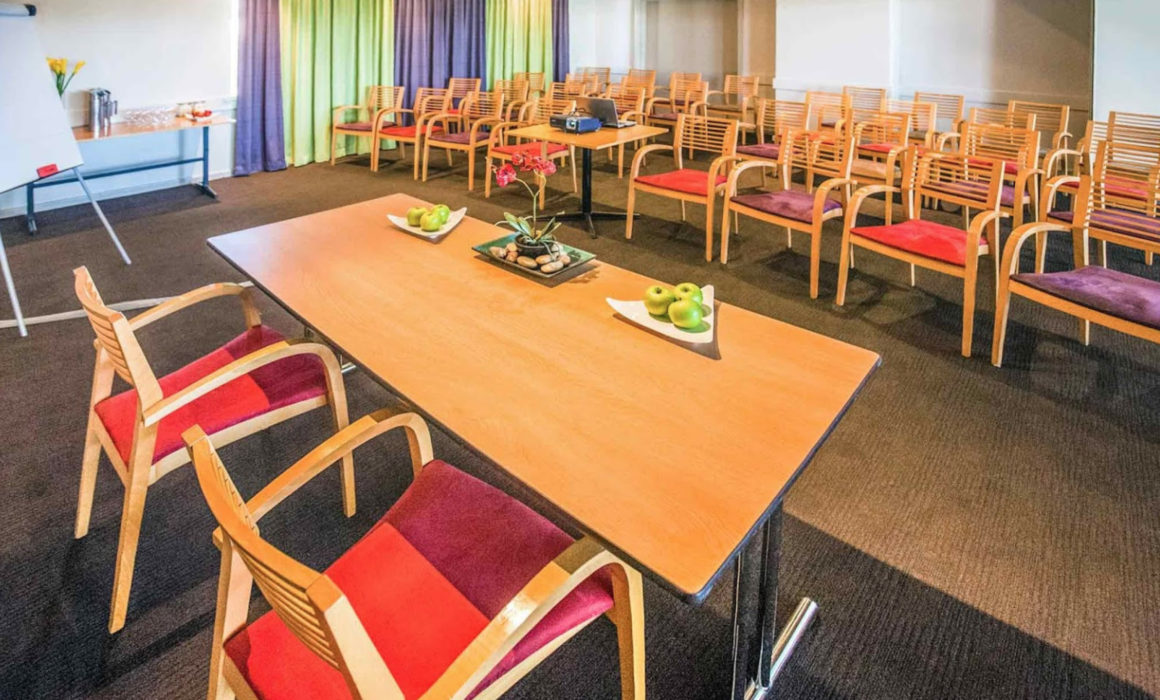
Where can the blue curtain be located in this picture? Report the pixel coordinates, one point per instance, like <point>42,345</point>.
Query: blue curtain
<point>560,39</point>
<point>439,39</point>
<point>259,143</point>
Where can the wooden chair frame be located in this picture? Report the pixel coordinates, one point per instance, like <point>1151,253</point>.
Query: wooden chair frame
<point>1051,119</point>
<point>119,354</point>
<point>536,111</point>
<point>830,110</point>
<point>535,83</point>
<point>988,116</point>
<point>738,95</point>
<point>316,610</point>
<point>459,88</point>
<point>773,119</point>
<point>923,119</point>
<point>380,98</point>
<point>867,98</point>
<point>929,179</point>
<point>429,102</point>
<point>694,133</point>
<point>479,112</point>
<point>601,74</point>
<point>1008,145</point>
<point>687,98</point>
<point>571,88</point>
<point>950,110</point>
<point>641,78</point>
<point>515,96</point>
<point>832,159</point>
<point>630,107</point>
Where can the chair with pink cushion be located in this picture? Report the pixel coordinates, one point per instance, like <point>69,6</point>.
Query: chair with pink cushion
<point>256,380</point>
<point>796,210</point>
<point>774,119</point>
<point>693,133</point>
<point>380,99</point>
<point>928,244</point>
<point>458,591</point>
<point>1117,204</point>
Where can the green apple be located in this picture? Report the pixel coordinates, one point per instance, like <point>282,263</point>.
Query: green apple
<point>685,313</point>
<point>415,215</point>
<point>443,211</point>
<point>657,299</point>
<point>430,222</point>
<point>688,290</point>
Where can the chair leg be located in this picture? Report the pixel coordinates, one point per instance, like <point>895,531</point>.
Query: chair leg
<point>333,143</point>
<point>815,262</point>
<point>709,201</point>
<point>1148,257</point>
<point>89,463</point>
<point>628,615</point>
<point>1040,251</point>
<point>233,606</point>
<point>375,149</point>
<point>1102,253</point>
<point>631,206</point>
<point>619,161</point>
<point>912,277</point>
<point>471,170</point>
<point>683,210</point>
<point>131,513</point>
<point>426,159</point>
<point>450,162</point>
<point>341,418</point>
<point>725,234</point>
<point>844,265</point>
<point>572,161</point>
<point>415,167</point>
<point>969,305</point>
<point>1002,309</point>
<point>487,182</point>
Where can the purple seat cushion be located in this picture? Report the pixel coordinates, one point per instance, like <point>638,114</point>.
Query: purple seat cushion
<point>760,150</point>
<point>1115,293</point>
<point>976,190</point>
<point>788,204</point>
<point>1121,221</point>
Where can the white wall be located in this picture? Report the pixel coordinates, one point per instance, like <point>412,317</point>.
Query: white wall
<point>757,37</point>
<point>825,45</point>
<point>600,33</point>
<point>1127,53</point>
<point>692,36</point>
<point>149,53</point>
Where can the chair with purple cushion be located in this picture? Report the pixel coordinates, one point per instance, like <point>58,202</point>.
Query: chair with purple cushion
<point>774,119</point>
<point>255,381</point>
<point>478,113</point>
<point>1092,293</point>
<point>794,209</point>
<point>380,99</point>
<point>928,244</point>
<point>458,591</point>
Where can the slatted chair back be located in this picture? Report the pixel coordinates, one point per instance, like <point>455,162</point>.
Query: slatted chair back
<point>740,89</point>
<point>482,105</point>
<point>685,88</point>
<point>512,90</point>
<point>115,336</point>
<point>711,134</point>
<point>827,157</point>
<point>1001,117</point>
<point>569,89</point>
<point>1140,129</point>
<point>872,127</point>
<point>541,110</point>
<point>866,98</point>
<point>828,108</point>
<point>1126,178</point>
<point>923,115</point>
<point>384,97</point>
<point>775,117</point>
<point>462,87</point>
<point>602,75</point>
<point>535,81</point>
<point>628,99</point>
<point>950,108</point>
<point>1050,119</point>
<point>299,595</point>
<point>431,100</point>
<point>953,178</point>
<point>1000,143</point>
<point>590,82</point>
<point>1094,133</point>
<point>641,78</point>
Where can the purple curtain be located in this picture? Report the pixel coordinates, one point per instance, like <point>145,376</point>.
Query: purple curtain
<point>560,62</point>
<point>439,39</point>
<point>259,144</point>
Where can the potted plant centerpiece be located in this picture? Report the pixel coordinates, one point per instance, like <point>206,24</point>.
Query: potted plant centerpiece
<point>531,240</point>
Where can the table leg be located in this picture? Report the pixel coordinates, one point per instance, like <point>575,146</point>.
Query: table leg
<point>204,186</point>
<point>30,209</point>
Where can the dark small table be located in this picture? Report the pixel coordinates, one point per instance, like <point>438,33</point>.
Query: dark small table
<point>588,143</point>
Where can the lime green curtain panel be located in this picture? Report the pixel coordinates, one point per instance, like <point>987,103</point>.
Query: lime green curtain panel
<point>332,51</point>
<point>519,38</point>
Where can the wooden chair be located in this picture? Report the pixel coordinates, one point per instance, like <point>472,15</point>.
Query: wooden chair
<point>685,97</point>
<point>429,102</point>
<point>1116,203</point>
<point>429,603</point>
<point>255,381</point>
<point>950,113</point>
<point>735,98</point>
<point>794,209</point>
<point>459,88</point>
<point>685,184</point>
<point>629,107</point>
<point>641,78</point>
<point>1050,119</point>
<point>1018,150</point>
<point>515,96</point>
<point>928,244</point>
<point>923,119</point>
<point>379,98</point>
<point>872,99</point>
<point>830,110</point>
<point>987,116</point>
<point>880,140</point>
<point>535,83</point>
<point>1056,162</point>
<point>478,113</point>
<point>572,88</point>
<point>774,119</point>
<point>590,82</point>
<point>601,75</point>
<point>501,147</point>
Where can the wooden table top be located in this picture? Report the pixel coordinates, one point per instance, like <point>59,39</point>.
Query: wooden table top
<point>121,129</point>
<point>669,456</point>
<point>593,140</point>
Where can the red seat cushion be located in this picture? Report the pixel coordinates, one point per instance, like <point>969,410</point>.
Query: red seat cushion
<point>760,150</point>
<point>925,238</point>
<point>789,204</point>
<point>265,389</point>
<point>879,147</point>
<point>1131,189</point>
<point>360,126</point>
<point>531,148</point>
<point>685,180</point>
<point>424,582</point>
<point>406,131</point>
<point>1121,221</point>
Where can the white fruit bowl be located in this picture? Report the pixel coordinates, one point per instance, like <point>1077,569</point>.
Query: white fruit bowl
<point>452,221</point>
<point>636,312</point>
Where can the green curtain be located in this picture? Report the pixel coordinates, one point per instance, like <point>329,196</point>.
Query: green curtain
<point>519,38</point>
<point>332,51</point>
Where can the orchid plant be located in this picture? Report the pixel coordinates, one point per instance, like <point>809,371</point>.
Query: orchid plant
<point>541,168</point>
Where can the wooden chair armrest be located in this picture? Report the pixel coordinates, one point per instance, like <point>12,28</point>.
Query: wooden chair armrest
<point>710,94</point>
<point>639,157</point>
<point>158,410</point>
<point>1055,154</point>
<point>735,174</point>
<point>946,138</point>
<point>715,167</point>
<point>345,108</point>
<point>1019,236</point>
<point>521,614</point>
<point>338,446</point>
<point>822,193</point>
<point>652,103</point>
<point>196,296</point>
<point>638,117</point>
<point>860,196</point>
<point>486,121</point>
<point>1050,190</point>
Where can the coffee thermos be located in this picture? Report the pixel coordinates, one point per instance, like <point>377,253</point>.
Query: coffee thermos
<point>102,107</point>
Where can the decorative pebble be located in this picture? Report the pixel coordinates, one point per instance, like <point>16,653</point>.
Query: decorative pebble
<point>527,262</point>
<point>543,259</point>
<point>552,267</point>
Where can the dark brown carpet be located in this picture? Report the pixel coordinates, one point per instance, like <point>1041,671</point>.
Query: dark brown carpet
<point>968,532</point>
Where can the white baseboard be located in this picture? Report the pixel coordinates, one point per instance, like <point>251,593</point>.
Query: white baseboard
<point>43,205</point>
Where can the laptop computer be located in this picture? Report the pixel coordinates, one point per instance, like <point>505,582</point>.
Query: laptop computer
<point>605,110</point>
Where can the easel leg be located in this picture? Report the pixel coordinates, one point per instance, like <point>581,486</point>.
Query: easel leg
<point>12,292</point>
<point>29,209</point>
<point>108,227</point>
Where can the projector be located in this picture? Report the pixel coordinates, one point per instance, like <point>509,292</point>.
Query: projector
<point>575,123</point>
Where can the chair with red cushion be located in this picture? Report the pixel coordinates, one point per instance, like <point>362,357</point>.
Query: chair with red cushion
<point>458,591</point>
<point>255,381</point>
<point>429,102</point>
<point>927,244</point>
<point>693,133</point>
<point>794,209</point>
<point>380,98</point>
<point>478,113</point>
<point>1107,209</point>
<point>503,148</point>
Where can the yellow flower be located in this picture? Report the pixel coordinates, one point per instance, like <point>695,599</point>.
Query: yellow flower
<point>78,66</point>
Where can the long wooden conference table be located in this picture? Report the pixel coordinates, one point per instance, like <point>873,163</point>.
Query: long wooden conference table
<point>676,459</point>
